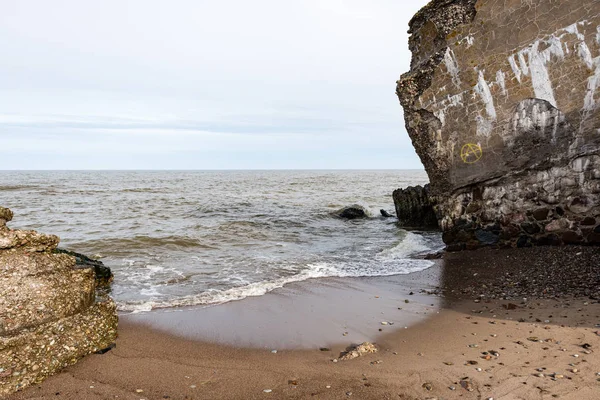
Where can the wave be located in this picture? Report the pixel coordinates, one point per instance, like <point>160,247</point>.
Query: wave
<point>143,242</point>
<point>394,261</point>
<point>10,188</point>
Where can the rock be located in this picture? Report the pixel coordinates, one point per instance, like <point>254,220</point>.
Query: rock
<point>352,212</point>
<point>385,214</point>
<point>103,274</point>
<point>541,214</point>
<point>588,221</point>
<point>505,140</point>
<point>51,314</point>
<point>468,386</point>
<point>358,351</point>
<point>414,208</point>
<point>6,215</point>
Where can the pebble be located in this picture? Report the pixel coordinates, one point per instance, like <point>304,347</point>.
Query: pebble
<point>328,386</point>
<point>274,351</point>
<point>452,387</point>
<point>139,391</point>
<point>384,323</point>
<point>478,369</point>
<point>334,360</point>
<point>267,390</point>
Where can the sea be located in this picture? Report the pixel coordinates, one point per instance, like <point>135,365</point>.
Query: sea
<point>200,238</point>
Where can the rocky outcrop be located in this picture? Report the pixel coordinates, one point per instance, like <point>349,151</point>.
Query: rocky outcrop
<point>502,104</point>
<point>352,212</point>
<point>413,207</point>
<point>50,313</point>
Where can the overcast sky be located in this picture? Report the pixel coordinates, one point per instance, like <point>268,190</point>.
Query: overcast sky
<point>194,84</point>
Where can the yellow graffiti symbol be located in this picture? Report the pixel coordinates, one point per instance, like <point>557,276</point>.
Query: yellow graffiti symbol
<point>471,153</point>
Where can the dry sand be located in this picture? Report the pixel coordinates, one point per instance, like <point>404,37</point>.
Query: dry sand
<point>534,339</point>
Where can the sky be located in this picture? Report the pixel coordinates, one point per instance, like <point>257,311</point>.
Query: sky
<point>195,84</point>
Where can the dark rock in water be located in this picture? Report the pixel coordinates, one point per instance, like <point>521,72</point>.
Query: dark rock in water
<point>352,212</point>
<point>385,214</point>
<point>499,146</point>
<point>434,256</point>
<point>104,275</point>
<point>413,207</point>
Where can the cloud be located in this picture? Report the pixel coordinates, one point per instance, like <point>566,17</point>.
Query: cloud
<point>231,77</point>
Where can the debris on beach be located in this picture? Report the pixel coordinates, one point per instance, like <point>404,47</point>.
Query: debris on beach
<point>358,351</point>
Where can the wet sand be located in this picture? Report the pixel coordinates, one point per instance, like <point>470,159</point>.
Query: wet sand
<point>538,347</point>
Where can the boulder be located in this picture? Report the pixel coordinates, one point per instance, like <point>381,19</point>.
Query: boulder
<point>352,212</point>
<point>502,103</point>
<point>414,207</point>
<point>51,314</point>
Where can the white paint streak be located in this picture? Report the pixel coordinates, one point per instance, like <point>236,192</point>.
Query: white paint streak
<point>452,66</point>
<point>523,63</point>
<point>540,78</point>
<point>501,80</point>
<point>483,89</point>
<point>515,67</point>
<point>589,102</point>
<point>586,55</point>
<point>574,30</point>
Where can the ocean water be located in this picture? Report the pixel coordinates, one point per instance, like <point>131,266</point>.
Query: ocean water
<point>183,238</point>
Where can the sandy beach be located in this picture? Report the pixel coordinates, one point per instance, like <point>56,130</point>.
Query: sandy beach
<point>466,346</point>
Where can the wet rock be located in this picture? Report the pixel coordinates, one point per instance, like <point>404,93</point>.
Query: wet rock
<point>588,221</point>
<point>385,214</point>
<point>571,237</point>
<point>414,208</point>
<point>541,214</point>
<point>358,351</point>
<point>50,312</point>
<point>352,212</point>
<point>103,274</point>
<point>486,237</point>
<point>530,228</point>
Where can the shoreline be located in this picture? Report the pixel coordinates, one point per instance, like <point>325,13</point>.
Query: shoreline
<point>436,353</point>
<point>307,314</point>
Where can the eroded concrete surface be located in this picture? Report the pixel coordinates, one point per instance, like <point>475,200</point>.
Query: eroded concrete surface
<point>502,104</point>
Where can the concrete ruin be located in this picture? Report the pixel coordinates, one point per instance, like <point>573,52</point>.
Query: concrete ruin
<point>502,104</point>
<point>52,311</point>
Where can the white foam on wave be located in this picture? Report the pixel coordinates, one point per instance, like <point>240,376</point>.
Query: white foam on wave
<point>394,261</point>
